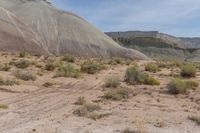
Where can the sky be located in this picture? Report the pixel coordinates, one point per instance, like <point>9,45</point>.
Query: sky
<point>175,17</point>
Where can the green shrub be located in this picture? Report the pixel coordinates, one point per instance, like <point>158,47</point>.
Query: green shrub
<point>25,75</point>
<point>117,95</point>
<point>112,82</point>
<point>22,64</point>
<point>5,67</point>
<point>67,71</point>
<point>176,63</point>
<point>80,101</point>
<point>177,86</point>
<point>188,70</point>
<point>195,119</point>
<point>134,76</point>
<point>22,54</point>
<point>91,67</point>
<point>50,66</point>
<point>152,67</point>
<point>191,84</point>
<point>68,58</point>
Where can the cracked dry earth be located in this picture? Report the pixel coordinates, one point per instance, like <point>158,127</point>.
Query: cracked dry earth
<point>34,108</point>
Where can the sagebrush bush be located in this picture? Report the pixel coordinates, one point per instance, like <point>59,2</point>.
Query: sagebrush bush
<point>191,84</point>
<point>5,67</point>
<point>50,66</point>
<point>188,70</point>
<point>25,75</point>
<point>91,67</point>
<point>117,94</point>
<point>67,70</point>
<point>152,67</point>
<point>22,64</point>
<point>22,54</point>
<point>134,76</point>
<point>68,58</point>
<point>177,86</point>
<point>8,82</point>
<point>112,81</point>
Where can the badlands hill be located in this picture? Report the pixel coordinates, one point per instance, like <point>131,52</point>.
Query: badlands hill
<point>36,26</point>
<point>159,45</point>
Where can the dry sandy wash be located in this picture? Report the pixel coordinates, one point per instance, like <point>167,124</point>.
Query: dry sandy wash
<point>34,108</point>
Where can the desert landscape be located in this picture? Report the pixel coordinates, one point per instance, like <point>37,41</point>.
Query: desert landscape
<point>61,74</point>
<point>66,94</point>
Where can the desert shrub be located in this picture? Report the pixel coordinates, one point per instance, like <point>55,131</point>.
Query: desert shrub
<point>50,66</point>
<point>134,76</point>
<point>195,119</point>
<point>112,82</point>
<point>80,101</point>
<point>22,64</point>
<point>68,58</point>
<point>152,67</point>
<point>5,67</point>
<point>177,86</point>
<point>191,84</point>
<point>8,82</point>
<point>91,67</point>
<point>117,94</point>
<point>67,71</point>
<point>176,63</point>
<point>127,130</point>
<point>95,116</point>
<point>188,70</point>
<point>86,109</point>
<point>25,75</point>
<point>22,54</point>
<point>3,106</point>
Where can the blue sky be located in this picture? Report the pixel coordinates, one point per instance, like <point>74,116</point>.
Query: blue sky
<point>176,17</point>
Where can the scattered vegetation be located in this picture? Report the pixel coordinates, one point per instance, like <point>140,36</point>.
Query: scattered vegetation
<point>22,64</point>
<point>22,54</point>
<point>152,67</point>
<point>91,67</point>
<point>117,94</point>
<point>50,66</point>
<point>188,70</point>
<point>67,71</point>
<point>48,84</point>
<point>134,76</point>
<point>25,75</point>
<point>195,119</point>
<point>5,67</point>
<point>112,81</point>
<point>8,82</point>
<point>179,86</point>
<point>80,101</point>
<point>68,58</point>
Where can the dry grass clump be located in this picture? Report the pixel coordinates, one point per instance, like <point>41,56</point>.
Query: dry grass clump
<point>117,94</point>
<point>50,66</point>
<point>112,81</point>
<point>22,54</point>
<point>116,61</point>
<point>91,67</point>
<point>80,101</point>
<point>68,58</point>
<point>25,75</point>
<point>5,67</point>
<point>196,119</point>
<point>179,86</point>
<point>8,82</point>
<point>3,106</point>
<point>128,130</point>
<point>22,64</point>
<point>67,70</point>
<point>152,68</point>
<point>176,63</point>
<point>188,70</point>
<point>134,76</point>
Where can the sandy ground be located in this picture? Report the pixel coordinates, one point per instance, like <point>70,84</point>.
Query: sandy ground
<point>35,108</point>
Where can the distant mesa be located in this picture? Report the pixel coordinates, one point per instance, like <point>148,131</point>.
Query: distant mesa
<point>38,27</point>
